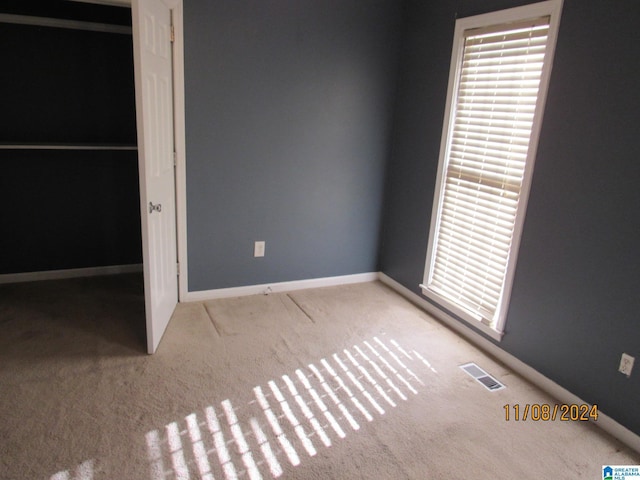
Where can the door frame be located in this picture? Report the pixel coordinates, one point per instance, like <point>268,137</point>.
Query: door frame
<point>180,146</point>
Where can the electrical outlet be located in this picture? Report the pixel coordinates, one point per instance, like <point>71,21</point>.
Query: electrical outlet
<point>626,364</point>
<point>258,249</point>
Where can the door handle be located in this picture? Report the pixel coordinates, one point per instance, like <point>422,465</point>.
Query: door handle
<point>157,208</point>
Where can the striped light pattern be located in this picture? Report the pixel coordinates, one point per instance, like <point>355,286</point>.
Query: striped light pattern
<point>262,438</point>
<point>488,144</point>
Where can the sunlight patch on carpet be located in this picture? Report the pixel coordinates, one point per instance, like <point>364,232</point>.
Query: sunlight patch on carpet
<point>288,418</point>
<point>84,471</point>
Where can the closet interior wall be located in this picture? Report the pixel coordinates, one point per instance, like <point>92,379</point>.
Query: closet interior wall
<point>69,188</point>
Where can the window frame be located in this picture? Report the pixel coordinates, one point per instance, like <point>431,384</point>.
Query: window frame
<point>553,9</point>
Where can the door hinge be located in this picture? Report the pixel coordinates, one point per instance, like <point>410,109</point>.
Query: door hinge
<point>173,34</point>
<point>175,159</point>
<point>178,268</point>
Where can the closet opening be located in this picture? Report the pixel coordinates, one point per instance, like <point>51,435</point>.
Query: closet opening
<point>70,188</point>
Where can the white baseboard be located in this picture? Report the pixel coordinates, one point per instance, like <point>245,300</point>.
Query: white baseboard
<point>69,273</point>
<point>563,395</point>
<point>202,295</point>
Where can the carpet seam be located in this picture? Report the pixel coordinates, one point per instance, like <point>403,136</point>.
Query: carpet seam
<point>213,322</point>
<point>302,309</point>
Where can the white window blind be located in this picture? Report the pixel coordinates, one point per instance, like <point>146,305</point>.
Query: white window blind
<point>490,126</point>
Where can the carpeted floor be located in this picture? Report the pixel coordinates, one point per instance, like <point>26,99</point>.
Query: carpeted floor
<point>335,383</point>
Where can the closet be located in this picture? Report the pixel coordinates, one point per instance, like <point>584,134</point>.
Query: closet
<point>69,193</point>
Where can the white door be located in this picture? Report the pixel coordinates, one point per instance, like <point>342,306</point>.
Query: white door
<point>154,112</point>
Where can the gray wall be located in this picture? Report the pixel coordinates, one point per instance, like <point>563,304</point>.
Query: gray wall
<point>575,304</point>
<point>288,109</point>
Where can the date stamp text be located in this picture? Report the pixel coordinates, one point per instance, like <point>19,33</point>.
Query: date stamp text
<point>545,412</point>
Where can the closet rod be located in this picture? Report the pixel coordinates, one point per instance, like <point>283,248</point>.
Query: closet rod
<point>68,147</point>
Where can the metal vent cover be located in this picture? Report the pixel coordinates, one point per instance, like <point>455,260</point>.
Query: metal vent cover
<point>482,377</point>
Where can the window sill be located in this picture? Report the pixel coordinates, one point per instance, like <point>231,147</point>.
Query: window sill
<point>449,310</point>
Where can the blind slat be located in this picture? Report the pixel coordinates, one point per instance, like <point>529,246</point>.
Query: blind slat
<point>487,191</point>
<point>504,129</point>
<point>466,203</point>
<point>525,27</point>
<point>508,61</point>
<point>525,68</point>
<point>476,248</point>
<point>499,201</point>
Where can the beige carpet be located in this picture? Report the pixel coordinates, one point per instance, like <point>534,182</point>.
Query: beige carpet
<point>335,383</point>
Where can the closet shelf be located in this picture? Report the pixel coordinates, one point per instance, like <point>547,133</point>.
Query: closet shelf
<point>64,146</point>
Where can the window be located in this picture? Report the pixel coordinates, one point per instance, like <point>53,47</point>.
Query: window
<point>500,69</point>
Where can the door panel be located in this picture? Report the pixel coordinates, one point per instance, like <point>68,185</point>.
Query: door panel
<point>154,112</point>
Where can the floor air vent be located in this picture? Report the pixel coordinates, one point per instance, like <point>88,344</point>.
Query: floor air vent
<point>483,377</point>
